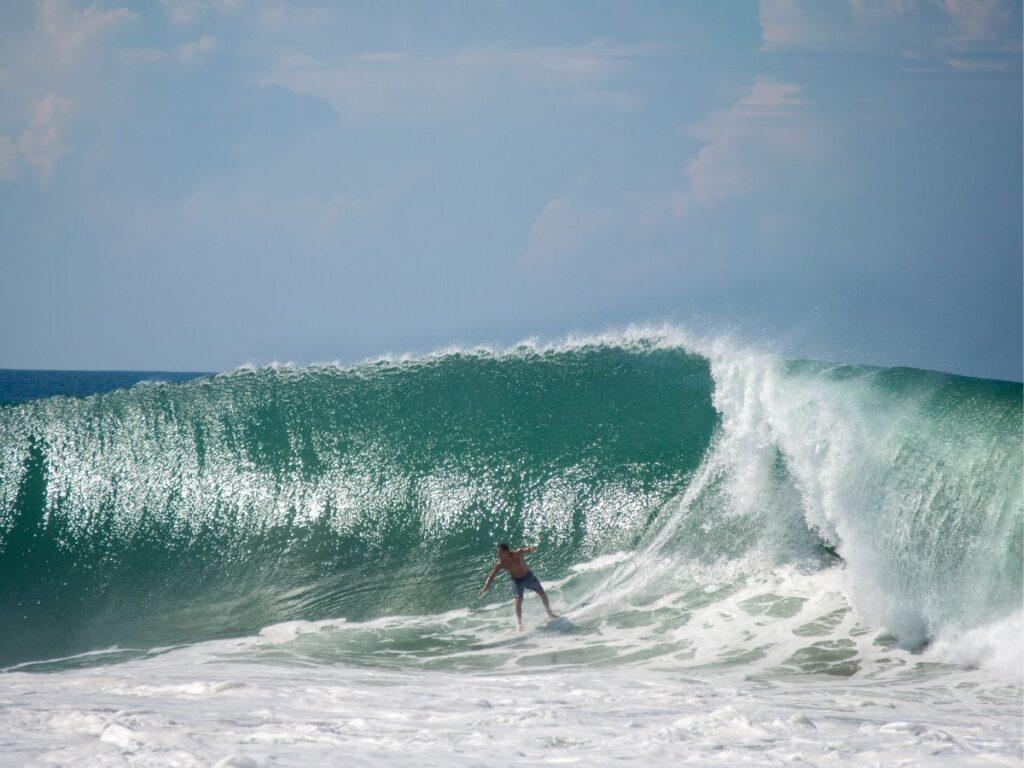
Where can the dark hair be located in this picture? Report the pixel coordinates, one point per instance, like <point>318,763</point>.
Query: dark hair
<point>503,547</point>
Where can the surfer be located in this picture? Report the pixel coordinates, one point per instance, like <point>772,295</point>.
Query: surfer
<point>522,578</point>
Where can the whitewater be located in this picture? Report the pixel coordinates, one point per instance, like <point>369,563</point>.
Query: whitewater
<point>763,562</point>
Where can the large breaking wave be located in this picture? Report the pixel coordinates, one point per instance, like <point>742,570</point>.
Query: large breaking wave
<point>658,474</point>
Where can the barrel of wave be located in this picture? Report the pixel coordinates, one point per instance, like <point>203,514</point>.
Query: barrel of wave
<point>915,476</point>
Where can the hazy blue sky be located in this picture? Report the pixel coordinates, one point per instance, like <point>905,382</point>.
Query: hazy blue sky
<point>194,184</point>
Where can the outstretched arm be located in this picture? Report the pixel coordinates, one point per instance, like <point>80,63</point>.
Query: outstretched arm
<point>525,550</point>
<point>490,577</point>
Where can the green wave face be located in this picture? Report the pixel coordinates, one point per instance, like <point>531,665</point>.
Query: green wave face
<point>175,513</point>
<point>162,514</point>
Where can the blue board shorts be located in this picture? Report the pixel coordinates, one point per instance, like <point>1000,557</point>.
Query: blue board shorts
<point>529,581</point>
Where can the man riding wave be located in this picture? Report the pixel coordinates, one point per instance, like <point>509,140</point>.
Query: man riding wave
<point>512,561</point>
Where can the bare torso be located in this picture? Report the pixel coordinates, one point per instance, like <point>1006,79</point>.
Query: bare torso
<point>514,563</point>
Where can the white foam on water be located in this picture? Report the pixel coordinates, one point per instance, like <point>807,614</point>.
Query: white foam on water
<point>540,697</point>
<point>289,630</point>
<point>997,647</point>
<point>197,706</point>
<point>600,563</point>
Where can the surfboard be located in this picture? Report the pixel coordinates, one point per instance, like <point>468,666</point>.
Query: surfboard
<point>561,624</point>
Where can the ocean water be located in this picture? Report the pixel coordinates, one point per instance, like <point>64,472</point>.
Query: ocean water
<point>17,386</point>
<point>761,562</point>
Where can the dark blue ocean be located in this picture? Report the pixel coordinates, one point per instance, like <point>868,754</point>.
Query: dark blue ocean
<point>17,386</point>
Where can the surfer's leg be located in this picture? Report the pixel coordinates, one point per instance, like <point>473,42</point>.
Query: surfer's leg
<point>547,605</point>
<point>519,612</point>
<point>532,582</point>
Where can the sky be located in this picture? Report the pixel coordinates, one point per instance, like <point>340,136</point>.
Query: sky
<point>199,184</point>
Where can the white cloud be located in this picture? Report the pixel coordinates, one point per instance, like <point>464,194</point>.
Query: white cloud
<point>8,158</point>
<point>184,12</point>
<point>747,147</point>
<point>559,66</point>
<point>186,54</point>
<point>277,15</point>
<point>869,10</point>
<point>72,32</point>
<point>560,230</point>
<point>390,84</point>
<point>44,141</point>
<point>909,27</point>
<point>604,228</point>
<point>979,21</point>
<point>744,144</point>
<point>787,23</point>
<point>190,53</point>
<point>976,65</point>
<point>61,57</point>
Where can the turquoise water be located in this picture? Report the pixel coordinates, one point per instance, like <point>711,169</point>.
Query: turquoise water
<point>172,513</point>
